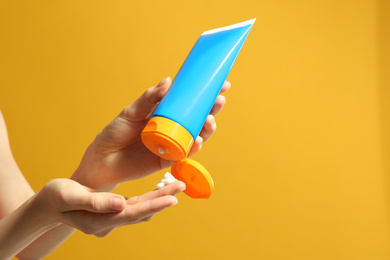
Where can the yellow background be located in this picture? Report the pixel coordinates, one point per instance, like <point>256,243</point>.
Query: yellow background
<point>301,155</point>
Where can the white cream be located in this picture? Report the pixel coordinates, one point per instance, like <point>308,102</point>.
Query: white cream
<point>160,185</point>
<point>168,178</point>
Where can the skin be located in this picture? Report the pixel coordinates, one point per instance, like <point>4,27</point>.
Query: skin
<point>33,225</point>
<point>103,165</point>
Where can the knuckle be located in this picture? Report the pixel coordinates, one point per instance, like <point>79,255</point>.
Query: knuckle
<point>134,200</point>
<point>102,233</point>
<point>149,95</point>
<point>221,99</point>
<point>127,113</point>
<point>90,229</point>
<point>148,92</point>
<point>86,228</point>
<point>154,94</point>
<point>130,215</point>
<point>94,203</point>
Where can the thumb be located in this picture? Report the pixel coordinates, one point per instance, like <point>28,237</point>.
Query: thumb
<point>145,104</point>
<point>102,202</point>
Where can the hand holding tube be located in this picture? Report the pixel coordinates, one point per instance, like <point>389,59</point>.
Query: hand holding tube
<point>118,154</point>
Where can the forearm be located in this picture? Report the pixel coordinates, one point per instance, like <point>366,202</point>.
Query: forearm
<point>19,190</point>
<point>14,191</point>
<point>22,227</point>
<point>47,243</point>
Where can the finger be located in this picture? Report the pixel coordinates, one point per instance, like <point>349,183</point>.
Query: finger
<point>97,224</point>
<point>100,202</point>
<point>209,128</point>
<point>145,209</point>
<point>102,224</point>
<point>170,189</point>
<point>148,218</point>
<point>145,104</point>
<point>221,100</point>
<point>225,87</point>
<point>218,105</point>
<point>196,147</point>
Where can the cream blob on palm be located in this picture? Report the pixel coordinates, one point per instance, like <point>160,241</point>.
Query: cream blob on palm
<point>168,178</point>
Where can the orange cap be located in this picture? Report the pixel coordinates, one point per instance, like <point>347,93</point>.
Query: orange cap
<point>167,139</point>
<point>196,177</point>
<point>171,141</point>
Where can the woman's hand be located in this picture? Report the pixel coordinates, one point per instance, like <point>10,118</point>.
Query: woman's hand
<point>98,213</point>
<point>118,154</point>
<point>63,201</point>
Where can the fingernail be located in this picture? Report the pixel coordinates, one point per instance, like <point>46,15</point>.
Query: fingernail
<point>116,204</point>
<point>201,142</point>
<point>163,81</point>
<point>182,186</point>
<point>213,119</point>
<point>174,201</point>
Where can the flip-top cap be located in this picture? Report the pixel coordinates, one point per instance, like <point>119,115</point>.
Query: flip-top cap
<point>167,139</point>
<point>196,177</point>
<point>171,141</point>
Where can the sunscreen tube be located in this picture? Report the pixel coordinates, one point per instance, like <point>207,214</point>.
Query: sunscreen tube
<point>181,114</point>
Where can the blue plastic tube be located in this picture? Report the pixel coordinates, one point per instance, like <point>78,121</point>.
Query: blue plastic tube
<point>200,79</point>
<point>198,83</point>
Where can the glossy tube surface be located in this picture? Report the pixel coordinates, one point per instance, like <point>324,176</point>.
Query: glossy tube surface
<point>181,114</point>
<point>200,79</point>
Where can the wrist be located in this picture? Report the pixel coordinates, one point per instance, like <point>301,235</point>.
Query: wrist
<point>43,209</point>
<point>93,172</point>
<point>87,165</point>
<point>23,226</point>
